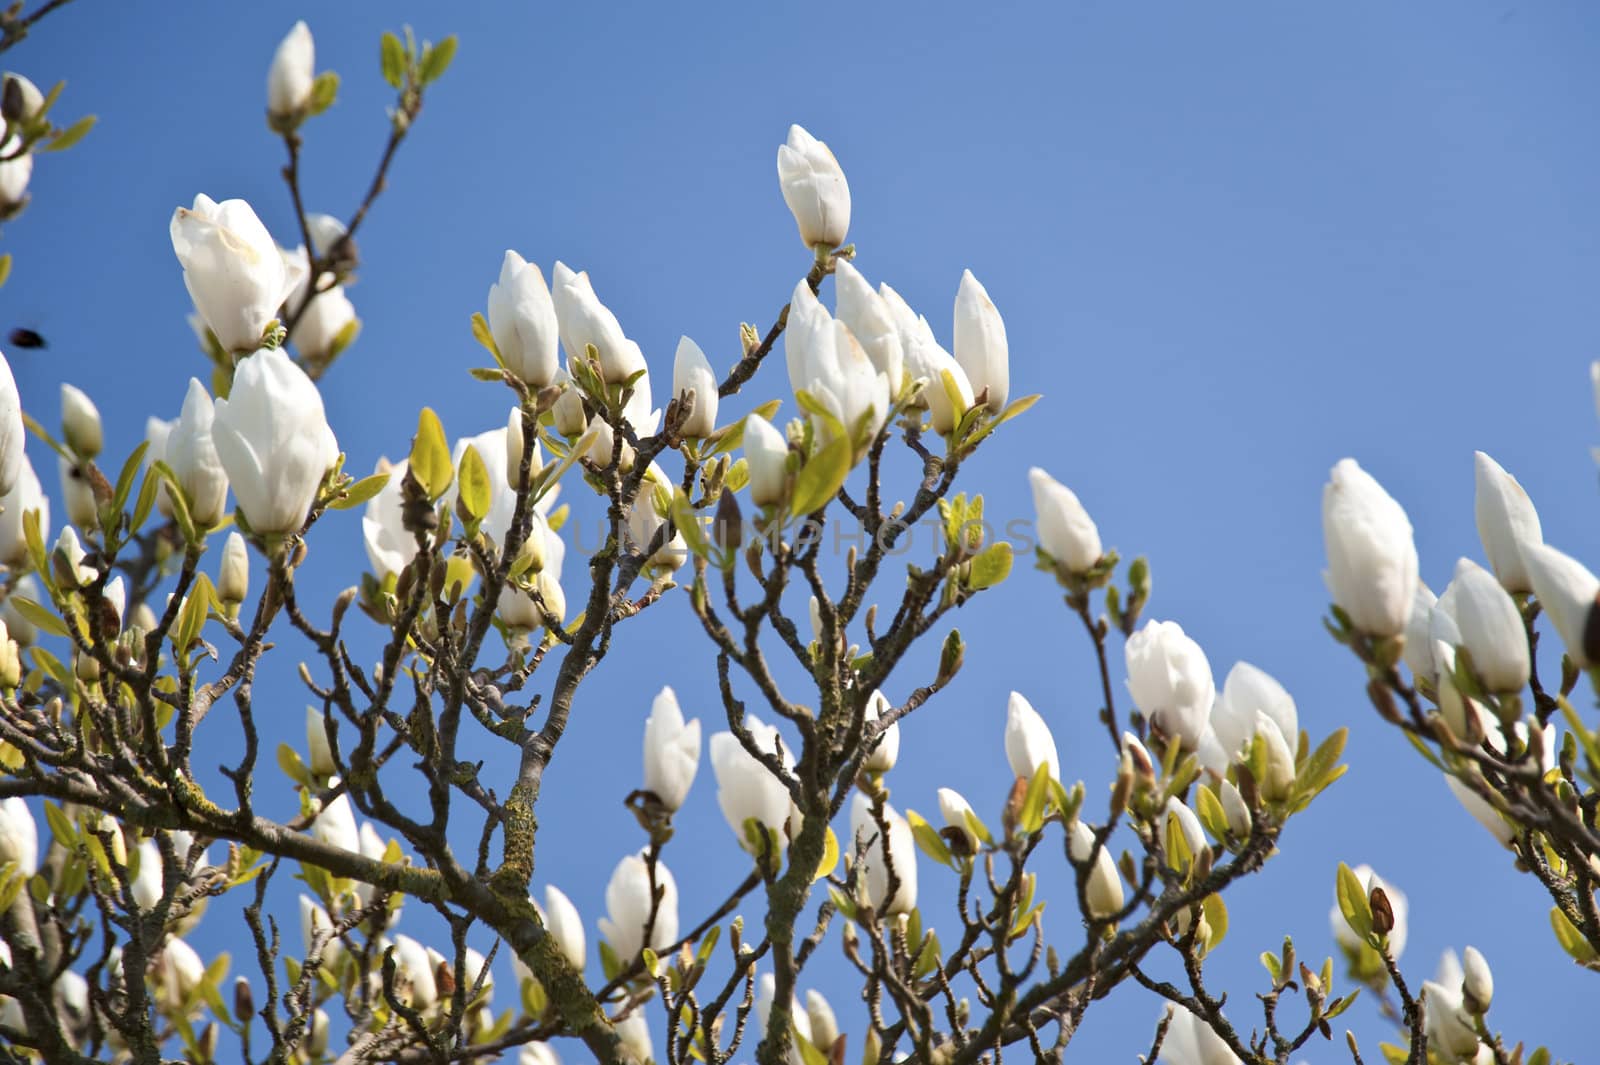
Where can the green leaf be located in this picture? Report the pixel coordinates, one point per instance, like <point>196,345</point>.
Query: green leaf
<point>1570,938</point>
<point>476,493</point>
<point>430,455</point>
<point>42,619</point>
<point>192,619</point>
<point>1353,903</point>
<point>480,333</point>
<point>1209,809</point>
<point>324,91</point>
<point>1270,960</point>
<point>146,501</point>
<point>687,522</point>
<point>360,492</point>
<point>130,470</point>
<point>809,404</point>
<point>436,60</point>
<point>702,953</point>
<point>293,768</point>
<point>61,827</point>
<point>1179,856</point>
<point>1031,818</point>
<point>1216,913</point>
<point>1321,767</point>
<point>932,844</point>
<point>5,267</point>
<point>991,566</point>
<point>180,501</point>
<point>821,477</point>
<point>830,858</point>
<point>71,135</point>
<point>35,541</point>
<point>393,56</point>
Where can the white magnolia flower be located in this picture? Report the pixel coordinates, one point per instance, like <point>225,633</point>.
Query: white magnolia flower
<point>766,994</point>
<point>522,319</point>
<point>583,320</point>
<point>1193,834</point>
<point>824,1026</point>
<point>1449,1028</point>
<point>887,752</point>
<point>80,422</point>
<point>389,546</point>
<point>1235,809</point>
<point>292,73</point>
<point>274,441</point>
<point>320,332</point>
<point>178,974</point>
<point>1170,680</point>
<point>927,361</point>
<point>955,808</point>
<point>1567,591</point>
<point>335,826</point>
<point>1104,886</point>
<point>19,836</point>
<point>412,959</point>
<point>156,432</point>
<point>1191,1041</point>
<point>1066,532</point>
<point>634,1031</point>
<point>815,189</point>
<point>1418,649</point>
<point>767,451</point>
<point>321,755</point>
<point>827,361</point>
<point>537,1054</point>
<point>14,174</point>
<point>671,751</point>
<point>561,920</point>
<point>78,494</point>
<point>980,342</point>
<point>1491,628</point>
<point>26,494</point>
<point>516,433</point>
<point>1246,693</point>
<point>23,631</point>
<point>315,923</point>
<point>645,519</point>
<point>867,314</point>
<point>13,437</point>
<point>628,906</point>
<point>1477,981</point>
<point>1397,905</point>
<point>692,370</point>
<point>232,269</point>
<point>1506,521</point>
<point>1501,827</point>
<point>233,573</point>
<point>191,453</point>
<point>147,883</point>
<point>901,854</point>
<point>31,99</point>
<point>1029,743</point>
<point>1372,559</point>
<point>570,420</point>
<point>746,788</point>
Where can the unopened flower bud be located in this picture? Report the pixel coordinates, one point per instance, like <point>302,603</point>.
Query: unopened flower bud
<point>80,423</point>
<point>1477,981</point>
<point>233,575</point>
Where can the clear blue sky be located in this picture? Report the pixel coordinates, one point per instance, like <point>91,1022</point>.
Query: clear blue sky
<point>1232,242</point>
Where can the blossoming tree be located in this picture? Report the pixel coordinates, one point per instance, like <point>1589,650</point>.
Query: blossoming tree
<point>128,628</point>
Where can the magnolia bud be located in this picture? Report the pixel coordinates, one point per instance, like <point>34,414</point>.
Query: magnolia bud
<point>1066,532</point>
<point>957,811</point>
<point>1029,743</point>
<point>671,751</point>
<point>691,371</point>
<point>1491,628</point>
<point>292,74</point>
<point>1170,680</point>
<point>233,574</point>
<point>980,342</point>
<point>815,189</point>
<point>80,423</point>
<point>567,410</point>
<point>824,1027</point>
<point>767,452</point>
<point>78,491</point>
<point>1372,559</point>
<point>321,755</point>
<point>1104,886</point>
<point>1506,521</point>
<point>1477,981</point>
<point>514,441</point>
<point>10,660</point>
<point>1567,592</point>
<point>1236,810</point>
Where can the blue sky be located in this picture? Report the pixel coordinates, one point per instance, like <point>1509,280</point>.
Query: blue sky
<point>1232,243</point>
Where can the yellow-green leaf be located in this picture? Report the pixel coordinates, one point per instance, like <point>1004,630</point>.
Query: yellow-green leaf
<point>436,60</point>
<point>476,492</point>
<point>821,477</point>
<point>430,455</point>
<point>360,492</point>
<point>1353,903</point>
<point>991,566</point>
